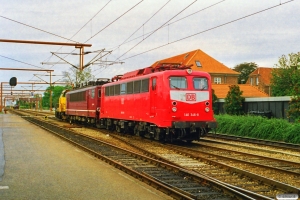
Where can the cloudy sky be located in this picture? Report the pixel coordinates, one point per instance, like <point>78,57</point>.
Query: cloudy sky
<point>140,32</point>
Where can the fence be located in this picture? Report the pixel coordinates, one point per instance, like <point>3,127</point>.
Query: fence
<point>265,106</point>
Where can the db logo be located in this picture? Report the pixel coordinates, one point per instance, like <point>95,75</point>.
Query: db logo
<point>190,97</point>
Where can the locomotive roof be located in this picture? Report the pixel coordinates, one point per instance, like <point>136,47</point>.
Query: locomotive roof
<point>149,70</point>
<point>84,88</point>
<point>169,72</point>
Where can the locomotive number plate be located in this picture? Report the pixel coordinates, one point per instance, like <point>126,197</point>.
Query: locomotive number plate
<point>190,97</point>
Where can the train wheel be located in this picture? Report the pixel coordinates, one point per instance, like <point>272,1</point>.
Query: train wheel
<point>126,129</point>
<point>136,130</point>
<point>118,129</point>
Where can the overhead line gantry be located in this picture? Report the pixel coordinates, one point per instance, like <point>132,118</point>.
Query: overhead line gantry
<point>76,45</point>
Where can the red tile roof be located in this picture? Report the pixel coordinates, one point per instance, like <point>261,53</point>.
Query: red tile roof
<point>212,66</point>
<point>265,74</point>
<point>208,63</point>
<point>221,90</point>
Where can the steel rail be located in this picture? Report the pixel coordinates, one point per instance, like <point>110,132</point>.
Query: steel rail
<point>171,190</point>
<point>289,146</point>
<point>270,182</point>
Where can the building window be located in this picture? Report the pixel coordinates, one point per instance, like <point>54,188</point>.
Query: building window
<point>251,81</point>
<point>198,63</point>
<point>217,80</point>
<point>257,82</point>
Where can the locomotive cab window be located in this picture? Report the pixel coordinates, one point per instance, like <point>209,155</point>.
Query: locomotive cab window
<point>178,83</point>
<point>123,88</point>
<point>117,89</point>
<point>136,86</point>
<point>129,87</point>
<point>111,90</point>
<point>154,83</point>
<point>145,85</point>
<point>106,91</point>
<point>200,83</point>
<point>99,93</point>
<point>92,93</point>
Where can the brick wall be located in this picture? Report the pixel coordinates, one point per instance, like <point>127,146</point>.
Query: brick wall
<point>225,79</point>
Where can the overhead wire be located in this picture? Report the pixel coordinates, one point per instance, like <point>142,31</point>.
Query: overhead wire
<point>114,21</point>
<point>52,33</point>
<point>108,24</point>
<point>102,69</point>
<point>38,29</point>
<point>156,30</point>
<point>144,23</point>
<point>21,61</point>
<point>221,25</point>
<point>215,27</point>
<point>81,29</point>
<point>173,22</point>
<point>139,28</point>
<point>76,34</point>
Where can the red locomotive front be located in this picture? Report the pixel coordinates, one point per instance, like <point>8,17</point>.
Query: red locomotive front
<point>165,105</point>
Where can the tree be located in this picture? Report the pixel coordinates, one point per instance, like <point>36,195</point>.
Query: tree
<point>234,101</point>
<point>294,106</point>
<point>75,77</point>
<point>56,91</point>
<point>214,102</point>
<point>245,69</point>
<point>286,76</point>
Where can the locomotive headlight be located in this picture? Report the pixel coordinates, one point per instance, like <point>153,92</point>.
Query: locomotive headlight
<point>174,109</point>
<point>206,109</point>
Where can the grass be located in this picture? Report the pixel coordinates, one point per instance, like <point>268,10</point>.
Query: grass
<point>259,127</point>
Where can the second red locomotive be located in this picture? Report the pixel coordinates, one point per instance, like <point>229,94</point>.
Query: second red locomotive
<point>169,102</point>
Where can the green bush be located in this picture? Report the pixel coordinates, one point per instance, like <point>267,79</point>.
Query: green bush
<point>259,127</point>
<point>234,101</point>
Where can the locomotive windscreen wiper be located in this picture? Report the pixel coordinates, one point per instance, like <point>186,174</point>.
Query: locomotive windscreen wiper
<point>204,88</point>
<point>177,88</point>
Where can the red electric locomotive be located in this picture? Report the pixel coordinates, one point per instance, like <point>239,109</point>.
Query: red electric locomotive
<point>169,102</point>
<point>81,104</point>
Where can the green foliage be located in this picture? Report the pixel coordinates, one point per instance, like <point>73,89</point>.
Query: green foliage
<point>25,104</point>
<point>75,77</point>
<point>245,69</point>
<point>294,106</point>
<point>234,101</point>
<point>56,91</point>
<point>259,127</point>
<point>214,102</point>
<point>286,75</point>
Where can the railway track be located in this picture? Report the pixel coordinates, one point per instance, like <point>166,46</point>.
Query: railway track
<point>233,172</point>
<point>267,143</point>
<point>283,167</point>
<point>175,181</point>
<point>210,165</point>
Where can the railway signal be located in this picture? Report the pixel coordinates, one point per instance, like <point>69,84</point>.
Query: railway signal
<point>13,81</point>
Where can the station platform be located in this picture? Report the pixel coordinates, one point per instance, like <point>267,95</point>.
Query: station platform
<point>34,164</point>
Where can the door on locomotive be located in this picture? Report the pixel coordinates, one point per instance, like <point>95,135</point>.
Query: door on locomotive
<point>153,96</point>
